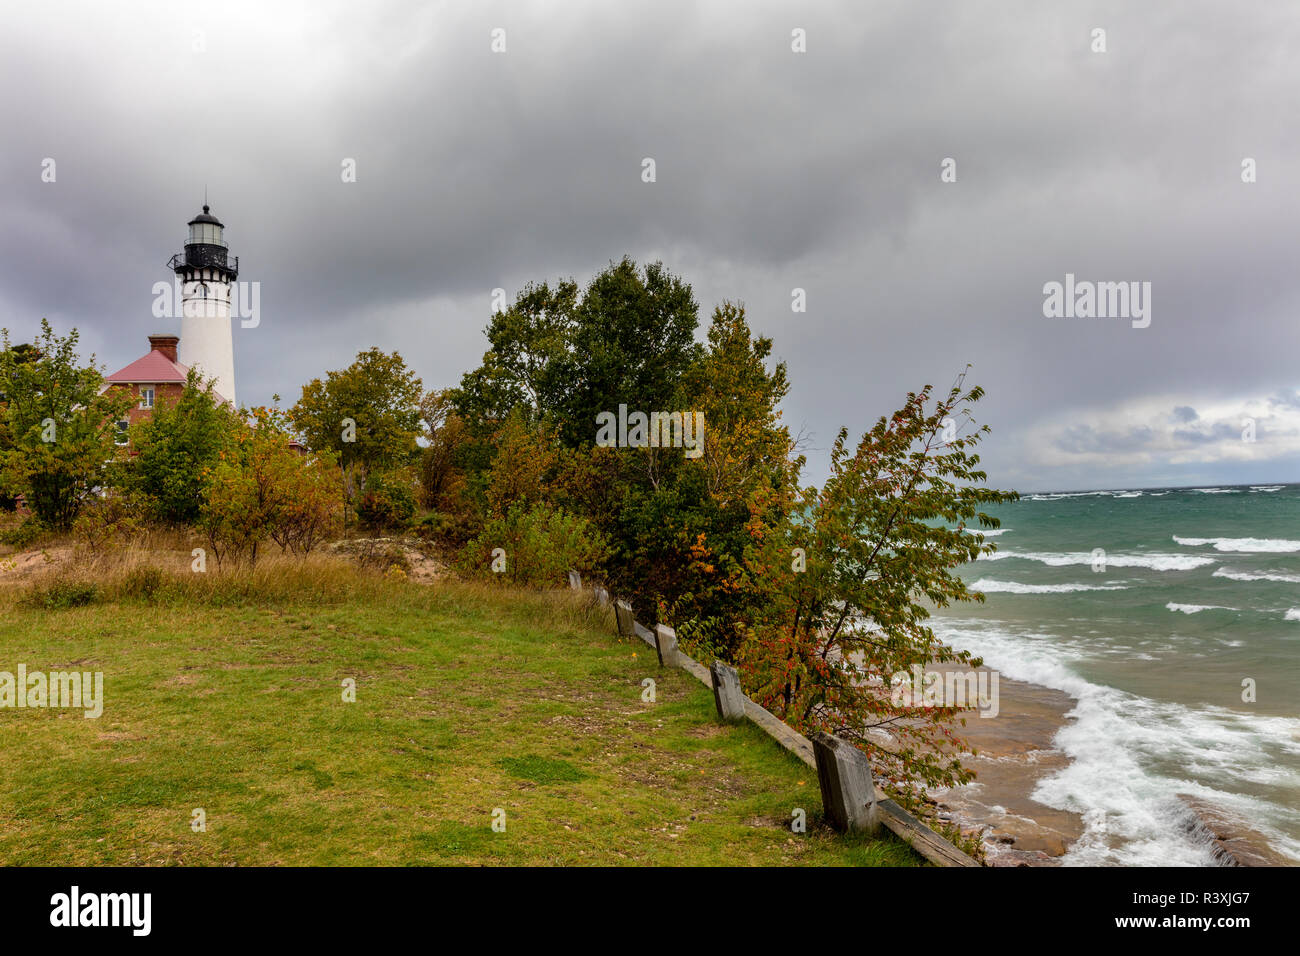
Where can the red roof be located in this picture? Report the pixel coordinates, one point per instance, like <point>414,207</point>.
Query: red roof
<point>154,367</point>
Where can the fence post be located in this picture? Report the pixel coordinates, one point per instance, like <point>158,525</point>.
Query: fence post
<point>848,792</point>
<point>727,695</point>
<point>575,580</point>
<point>666,645</point>
<point>623,612</point>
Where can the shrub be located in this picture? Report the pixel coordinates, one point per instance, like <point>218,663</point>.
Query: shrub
<point>105,523</point>
<point>525,458</point>
<point>540,543</point>
<point>441,482</point>
<point>309,504</point>
<point>387,504</point>
<point>432,526</point>
<point>61,593</point>
<point>143,582</point>
<point>24,535</point>
<point>261,488</point>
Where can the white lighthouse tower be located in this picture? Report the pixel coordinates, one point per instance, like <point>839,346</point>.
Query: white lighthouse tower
<point>206,272</point>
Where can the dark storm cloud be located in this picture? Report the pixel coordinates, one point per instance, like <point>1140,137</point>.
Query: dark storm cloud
<point>1083,439</point>
<point>775,170</point>
<point>1220,432</point>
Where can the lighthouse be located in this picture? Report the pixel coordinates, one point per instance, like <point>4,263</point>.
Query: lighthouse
<point>206,271</point>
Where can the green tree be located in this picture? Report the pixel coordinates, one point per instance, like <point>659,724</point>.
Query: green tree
<point>690,532</point>
<point>520,367</point>
<point>632,339</point>
<point>24,352</point>
<point>882,539</point>
<point>60,429</point>
<point>173,448</point>
<point>554,354</point>
<point>441,481</point>
<point>367,414</point>
<point>524,463</point>
<point>745,446</point>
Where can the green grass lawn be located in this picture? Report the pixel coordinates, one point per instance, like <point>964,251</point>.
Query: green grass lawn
<point>465,702</point>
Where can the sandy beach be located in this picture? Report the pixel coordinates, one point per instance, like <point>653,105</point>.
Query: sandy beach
<point>1014,750</point>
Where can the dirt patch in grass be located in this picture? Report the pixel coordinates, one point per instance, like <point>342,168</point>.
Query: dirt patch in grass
<point>707,731</point>
<point>25,564</point>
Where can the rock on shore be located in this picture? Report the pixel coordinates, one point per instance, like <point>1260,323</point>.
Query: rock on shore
<point>1232,842</point>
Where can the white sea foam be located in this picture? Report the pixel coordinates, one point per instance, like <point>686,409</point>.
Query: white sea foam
<point>1256,545</point>
<point>1261,576</point>
<point>1016,587</point>
<point>988,532</point>
<point>1119,744</point>
<point>1218,491</point>
<point>1197,608</point>
<point>1292,615</point>
<point>1266,487</point>
<point>1155,561</point>
<point>1129,494</point>
<point>1057,495</point>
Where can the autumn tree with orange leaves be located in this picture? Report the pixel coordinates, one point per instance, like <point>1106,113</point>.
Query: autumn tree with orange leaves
<point>880,542</point>
<point>260,488</point>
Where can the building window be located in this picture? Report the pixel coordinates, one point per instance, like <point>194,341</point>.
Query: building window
<point>122,437</point>
<point>146,397</point>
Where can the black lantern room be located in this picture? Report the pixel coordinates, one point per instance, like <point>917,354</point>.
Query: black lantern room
<point>205,248</point>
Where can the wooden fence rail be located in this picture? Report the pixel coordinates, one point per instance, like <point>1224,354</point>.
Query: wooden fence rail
<point>850,797</point>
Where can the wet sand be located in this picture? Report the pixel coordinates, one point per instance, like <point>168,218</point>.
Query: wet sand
<point>1014,751</point>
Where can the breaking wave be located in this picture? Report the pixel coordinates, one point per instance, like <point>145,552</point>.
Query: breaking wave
<point>1155,561</point>
<point>1016,587</point>
<point>1256,545</point>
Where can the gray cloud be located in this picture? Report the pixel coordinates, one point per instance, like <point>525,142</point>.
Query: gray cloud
<point>1083,439</point>
<point>775,170</point>
<point>1219,432</point>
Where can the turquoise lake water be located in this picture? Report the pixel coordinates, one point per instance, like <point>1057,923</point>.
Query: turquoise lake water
<point>1150,608</point>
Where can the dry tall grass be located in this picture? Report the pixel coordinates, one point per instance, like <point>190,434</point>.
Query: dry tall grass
<point>158,569</point>
<point>138,573</point>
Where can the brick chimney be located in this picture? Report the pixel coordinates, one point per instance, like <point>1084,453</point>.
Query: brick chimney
<point>166,344</point>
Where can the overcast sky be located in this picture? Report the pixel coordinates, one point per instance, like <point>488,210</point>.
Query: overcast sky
<point>775,170</point>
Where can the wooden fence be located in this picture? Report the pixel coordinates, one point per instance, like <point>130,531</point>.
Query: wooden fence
<point>850,798</point>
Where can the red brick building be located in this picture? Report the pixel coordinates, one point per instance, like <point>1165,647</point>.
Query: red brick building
<point>153,377</point>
